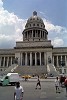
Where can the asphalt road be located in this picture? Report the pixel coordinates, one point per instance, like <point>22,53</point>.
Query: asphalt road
<point>47,91</point>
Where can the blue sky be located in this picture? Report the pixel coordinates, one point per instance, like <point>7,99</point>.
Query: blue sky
<point>54,10</point>
<point>14,13</point>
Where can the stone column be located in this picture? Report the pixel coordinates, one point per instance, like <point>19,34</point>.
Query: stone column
<point>11,60</point>
<point>53,60</point>
<point>65,61</point>
<point>61,57</point>
<point>21,59</point>
<point>35,59</point>
<point>57,61</point>
<point>4,62</point>
<point>0,61</point>
<point>30,58</point>
<point>32,33</point>
<point>7,61</point>
<point>61,65</point>
<point>26,58</point>
<point>40,58</point>
<point>45,59</point>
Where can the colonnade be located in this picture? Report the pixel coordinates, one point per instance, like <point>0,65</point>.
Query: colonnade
<point>33,59</point>
<point>59,59</point>
<point>6,61</point>
<point>35,33</point>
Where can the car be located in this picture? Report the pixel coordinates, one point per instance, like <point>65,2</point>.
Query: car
<point>51,75</point>
<point>26,76</point>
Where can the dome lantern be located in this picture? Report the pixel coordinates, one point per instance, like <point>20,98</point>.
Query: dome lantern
<point>34,13</point>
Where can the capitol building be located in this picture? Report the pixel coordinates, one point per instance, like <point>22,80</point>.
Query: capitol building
<point>35,52</point>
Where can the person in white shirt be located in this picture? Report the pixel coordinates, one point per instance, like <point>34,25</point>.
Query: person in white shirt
<point>57,85</point>
<point>18,93</point>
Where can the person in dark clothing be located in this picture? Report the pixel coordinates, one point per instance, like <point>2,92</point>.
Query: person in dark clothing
<point>38,83</point>
<point>65,83</point>
<point>62,80</point>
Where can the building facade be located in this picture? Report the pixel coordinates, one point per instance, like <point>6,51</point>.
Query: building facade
<point>35,51</point>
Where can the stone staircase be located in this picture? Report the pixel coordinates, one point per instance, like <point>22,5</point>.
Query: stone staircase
<point>52,70</point>
<point>31,70</point>
<point>9,69</point>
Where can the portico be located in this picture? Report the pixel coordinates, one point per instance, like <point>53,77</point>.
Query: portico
<point>33,58</point>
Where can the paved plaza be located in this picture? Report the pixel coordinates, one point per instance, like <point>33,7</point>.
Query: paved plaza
<point>47,91</point>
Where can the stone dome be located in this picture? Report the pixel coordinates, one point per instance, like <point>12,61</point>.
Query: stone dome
<point>35,29</point>
<point>35,21</point>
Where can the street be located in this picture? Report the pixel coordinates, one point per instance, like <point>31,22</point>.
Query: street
<point>47,91</point>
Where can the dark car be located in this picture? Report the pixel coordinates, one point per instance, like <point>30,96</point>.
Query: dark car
<point>51,75</point>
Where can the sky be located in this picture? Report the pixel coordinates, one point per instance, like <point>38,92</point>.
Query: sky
<point>14,15</point>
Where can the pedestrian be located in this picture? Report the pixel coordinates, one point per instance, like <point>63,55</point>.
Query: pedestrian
<point>65,83</point>
<point>61,80</point>
<point>38,83</point>
<point>57,84</point>
<point>18,93</point>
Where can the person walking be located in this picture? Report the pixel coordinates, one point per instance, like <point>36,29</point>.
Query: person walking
<point>57,84</point>
<point>65,83</point>
<point>18,93</point>
<point>38,83</point>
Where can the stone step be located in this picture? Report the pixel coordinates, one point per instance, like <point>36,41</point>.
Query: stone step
<point>31,70</point>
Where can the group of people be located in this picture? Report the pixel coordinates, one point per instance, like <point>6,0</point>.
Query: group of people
<point>59,82</point>
<point>18,93</point>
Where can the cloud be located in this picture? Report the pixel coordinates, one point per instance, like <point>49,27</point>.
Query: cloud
<point>11,28</point>
<point>54,28</point>
<point>56,33</point>
<point>57,42</point>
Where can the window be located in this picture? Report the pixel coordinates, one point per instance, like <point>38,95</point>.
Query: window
<point>33,24</point>
<point>30,25</point>
<point>44,26</point>
<point>41,25</point>
<point>64,70</point>
<point>37,24</point>
<point>6,77</point>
